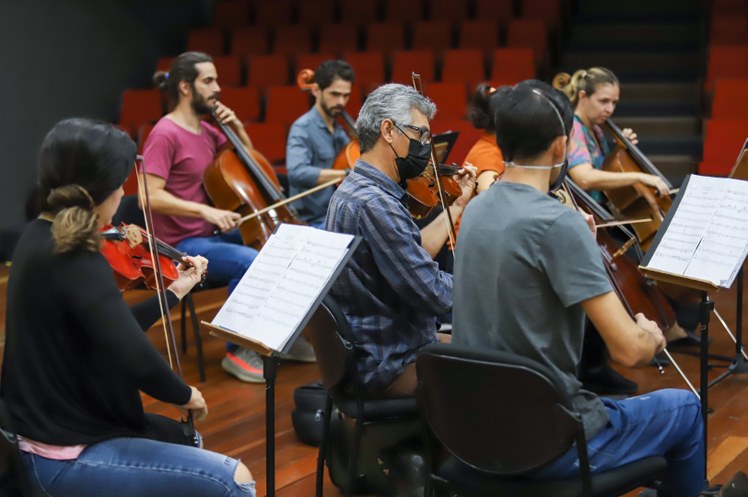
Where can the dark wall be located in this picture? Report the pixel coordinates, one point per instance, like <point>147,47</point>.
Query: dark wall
<point>63,58</point>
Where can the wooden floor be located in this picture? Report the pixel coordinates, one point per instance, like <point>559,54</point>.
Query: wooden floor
<point>236,423</point>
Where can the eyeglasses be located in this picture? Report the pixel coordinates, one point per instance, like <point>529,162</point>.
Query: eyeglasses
<point>424,135</point>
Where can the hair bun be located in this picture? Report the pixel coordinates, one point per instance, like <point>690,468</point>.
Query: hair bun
<point>160,79</point>
<point>68,196</point>
<point>561,80</point>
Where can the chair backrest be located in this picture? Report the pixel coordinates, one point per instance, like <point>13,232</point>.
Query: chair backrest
<point>231,13</point>
<point>432,35</point>
<point>292,39</point>
<point>229,69</point>
<point>511,65</point>
<point>729,99</point>
<point>385,37</point>
<point>338,38</point>
<point>267,70</point>
<point>245,101</point>
<point>270,139</point>
<point>210,40</point>
<point>473,400</point>
<point>450,99</point>
<point>464,66</point>
<point>405,62</point>
<point>250,40</point>
<point>139,107</point>
<point>285,104</point>
<point>723,140</point>
<point>13,478</point>
<point>482,34</point>
<point>330,335</point>
<point>368,68</point>
<point>528,33</point>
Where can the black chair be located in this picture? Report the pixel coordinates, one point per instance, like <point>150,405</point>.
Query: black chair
<point>491,418</point>
<point>129,213</point>
<point>14,482</point>
<point>331,337</point>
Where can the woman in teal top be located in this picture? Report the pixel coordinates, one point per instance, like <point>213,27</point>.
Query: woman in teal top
<point>594,93</point>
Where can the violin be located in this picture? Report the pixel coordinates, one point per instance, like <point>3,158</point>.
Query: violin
<point>434,186</point>
<point>637,200</point>
<point>637,293</point>
<point>424,192</point>
<point>347,157</point>
<point>125,249</point>
<point>245,182</point>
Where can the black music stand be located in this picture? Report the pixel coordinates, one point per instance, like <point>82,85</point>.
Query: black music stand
<point>671,255</point>
<point>270,357</point>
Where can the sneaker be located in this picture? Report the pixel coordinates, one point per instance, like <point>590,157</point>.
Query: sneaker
<point>605,380</point>
<point>301,351</point>
<point>244,364</point>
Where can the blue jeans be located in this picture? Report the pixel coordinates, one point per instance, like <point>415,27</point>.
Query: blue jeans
<point>228,258</point>
<point>138,466</point>
<point>662,423</point>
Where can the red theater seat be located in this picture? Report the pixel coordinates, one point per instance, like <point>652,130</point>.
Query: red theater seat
<point>723,141</point>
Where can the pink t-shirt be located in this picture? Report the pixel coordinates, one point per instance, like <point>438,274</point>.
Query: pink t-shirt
<point>181,158</point>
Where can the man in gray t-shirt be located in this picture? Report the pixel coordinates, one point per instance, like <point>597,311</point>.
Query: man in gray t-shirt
<point>528,270</point>
<point>554,266</point>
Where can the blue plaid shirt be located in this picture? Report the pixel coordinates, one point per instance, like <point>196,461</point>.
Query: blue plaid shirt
<point>391,290</point>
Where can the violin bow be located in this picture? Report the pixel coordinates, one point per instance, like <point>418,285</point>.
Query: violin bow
<point>166,323</point>
<point>417,85</point>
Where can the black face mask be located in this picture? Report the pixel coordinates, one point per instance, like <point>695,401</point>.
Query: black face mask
<point>559,181</point>
<point>415,162</point>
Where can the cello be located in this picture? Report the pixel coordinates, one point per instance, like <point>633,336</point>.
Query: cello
<point>637,200</point>
<point>347,157</point>
<point>637,293</point>
<point>245,182</point>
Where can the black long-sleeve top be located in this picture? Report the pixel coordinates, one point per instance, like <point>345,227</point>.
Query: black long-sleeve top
<point>76,356</point>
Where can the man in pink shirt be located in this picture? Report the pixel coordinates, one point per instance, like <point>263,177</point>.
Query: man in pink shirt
<point>176,154</point>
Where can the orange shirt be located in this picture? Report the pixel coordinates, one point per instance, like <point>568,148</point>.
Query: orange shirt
<point>486,155</point>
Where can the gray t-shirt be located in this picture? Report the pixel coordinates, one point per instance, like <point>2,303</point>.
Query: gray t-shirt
<point>524,263</point>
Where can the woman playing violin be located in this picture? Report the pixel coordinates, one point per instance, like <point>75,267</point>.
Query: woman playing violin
<point>76,358</point>
<point>594,93</point>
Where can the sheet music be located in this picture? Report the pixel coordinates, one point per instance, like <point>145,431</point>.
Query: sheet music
<point>707,238</point>
<point>282,283</point>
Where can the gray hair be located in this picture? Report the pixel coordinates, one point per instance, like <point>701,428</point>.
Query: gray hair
<point>390,101</point>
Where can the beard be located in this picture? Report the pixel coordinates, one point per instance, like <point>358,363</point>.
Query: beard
<point>332,111</point>
<point>200,104</point>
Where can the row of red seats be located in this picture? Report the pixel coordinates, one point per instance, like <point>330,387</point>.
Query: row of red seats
<point>385,37</point>
<point>234,13</point>
<point>273,99</point>
<point>283,105</point>
<point>372,68</point>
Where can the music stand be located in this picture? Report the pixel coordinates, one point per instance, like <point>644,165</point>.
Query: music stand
<point>443,144</point>
<point>684,242</point>
<point>270,356</point>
